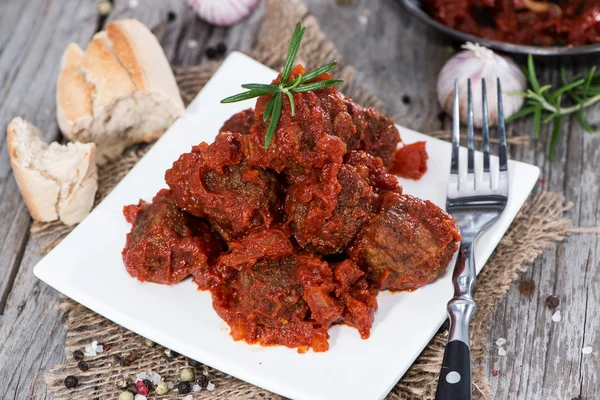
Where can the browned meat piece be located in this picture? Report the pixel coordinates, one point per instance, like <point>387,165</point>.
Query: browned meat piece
<point>166,244</point>
<point>239,123</point>
<point>372,170</point>
<point>279,295</point>
<point>407,245</point>
<point>216,181</point>
<point>327,224</point>
<point>376,133</point>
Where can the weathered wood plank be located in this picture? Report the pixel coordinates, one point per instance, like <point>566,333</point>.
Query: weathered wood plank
<point>34,37</point>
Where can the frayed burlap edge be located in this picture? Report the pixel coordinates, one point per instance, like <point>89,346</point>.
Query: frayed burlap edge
<point>537,226</point>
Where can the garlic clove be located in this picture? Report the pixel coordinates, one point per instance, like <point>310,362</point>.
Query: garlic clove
<point>223,12</point>
<point>477,63</point>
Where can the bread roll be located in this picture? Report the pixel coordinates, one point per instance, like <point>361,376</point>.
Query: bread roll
<point>56,181</point>
<point>119,92</point>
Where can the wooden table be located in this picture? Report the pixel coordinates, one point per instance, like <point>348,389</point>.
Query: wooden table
<point>396,57</point>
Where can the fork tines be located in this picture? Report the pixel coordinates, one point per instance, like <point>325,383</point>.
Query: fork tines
<point>503,158</point>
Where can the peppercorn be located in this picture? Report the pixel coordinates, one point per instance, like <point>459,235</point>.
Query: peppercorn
<point>184,387</point>
<point>187,375</point>
<point>162,388</point>
<point>104,8</point>
<point>78,355</point>
<point>126,395</point>
<point>527,288</point>
<point>202,381</point>
<point>171,16</point>
<point>82,365</point>
<point>211,53</point>
<point>406,99</point>
<point>71,382</point>
<point>132,388</point>
<point>148,384</point>
<point>142,388</point>
<point>221,48</point>
<point>122,384</point>
<point>552,302</point>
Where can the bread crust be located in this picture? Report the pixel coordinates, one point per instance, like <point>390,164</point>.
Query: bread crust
<point>41,192</point>
<point>105,93</point>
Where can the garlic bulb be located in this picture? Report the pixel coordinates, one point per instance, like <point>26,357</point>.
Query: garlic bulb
<point>223,12</point>
<point>477,62</point>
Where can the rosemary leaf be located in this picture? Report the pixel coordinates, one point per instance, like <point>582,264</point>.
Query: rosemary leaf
<point>274,119</point>
<point>531,74</point>
<point>557,95</point>
<point>262,87</point>
<point>316,85</point>
<point>537,119</point>
<point>317,72</point>
<point>292,51</point>
<point>521,113</point>
<point>269,108</point>
<point>583,122</point>
<point>243,96</point>
<point>292,105</point>
<point>554,137</point>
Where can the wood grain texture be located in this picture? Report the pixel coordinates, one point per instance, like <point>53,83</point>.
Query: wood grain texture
<point>396,57</point>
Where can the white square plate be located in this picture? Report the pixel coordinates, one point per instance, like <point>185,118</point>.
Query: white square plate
<point>87,267</point>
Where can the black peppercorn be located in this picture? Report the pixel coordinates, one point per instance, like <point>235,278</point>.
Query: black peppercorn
<point>78,355</point>
<point>211,52</point>
<point>184,387</point>
<point>552,302</point>
<point>221,48</point>
<point>148,384</point>
<point>406,99</point>
<point>202,381</point>
<point>171,16</point>
<point>82,365</point>
<point>71,382</point>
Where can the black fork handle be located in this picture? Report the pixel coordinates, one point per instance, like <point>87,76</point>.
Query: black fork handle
<point>455,376</point>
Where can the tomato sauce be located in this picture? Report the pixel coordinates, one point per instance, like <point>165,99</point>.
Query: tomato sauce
<point>410,161</point>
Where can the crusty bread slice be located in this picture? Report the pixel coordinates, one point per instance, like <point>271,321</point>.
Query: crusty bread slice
<point>56,181</point>
<point>119,92</point>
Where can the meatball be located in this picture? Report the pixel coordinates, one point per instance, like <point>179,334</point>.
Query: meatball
<point>276,294</point>
<point>216,181</point>
<point>239,123</point>
<point>301,143</point>
<point>408,244</point>
<point>371,168</point>
<point>326,216</point>
<point>376,133</point>
<point>166,244</point>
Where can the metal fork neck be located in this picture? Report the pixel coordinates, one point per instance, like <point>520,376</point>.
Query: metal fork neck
<point>462,307</point>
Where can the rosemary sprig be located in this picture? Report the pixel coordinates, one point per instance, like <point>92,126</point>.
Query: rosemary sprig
<point>546,105</point>
<point>300,84</point>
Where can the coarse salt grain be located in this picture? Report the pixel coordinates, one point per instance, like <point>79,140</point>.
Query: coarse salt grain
<point>93,349</point>
<point>141,376</point>
<point>556,317</point>
<point>210,387</point>
<point>140,397</point>
<point>196,388</point>
<point>154,377</point>
<point>587,350</point>
<point>363,19</point>
<point>170,385</point>
<point>501,351</point>
<point>192,44</point>
<point>500,342</point>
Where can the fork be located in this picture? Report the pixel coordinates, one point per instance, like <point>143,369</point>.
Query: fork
<point>475,207</point>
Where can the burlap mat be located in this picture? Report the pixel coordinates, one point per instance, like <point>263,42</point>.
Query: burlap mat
<point>539,225</point>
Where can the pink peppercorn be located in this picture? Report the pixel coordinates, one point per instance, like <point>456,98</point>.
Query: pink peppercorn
<point>141,388</point>
<point>495,372</point>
